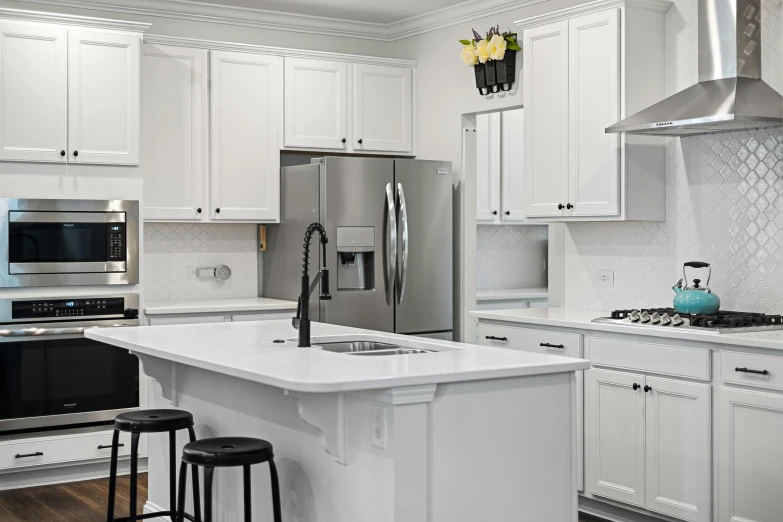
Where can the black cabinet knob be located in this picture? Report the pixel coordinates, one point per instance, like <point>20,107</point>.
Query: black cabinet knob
<point>62,153</point>
<point>75,153</point>
<point>560,206</point>
<point>343,140</point>
<point>508,213</point>
<point>569,206</point>
<point>494,212</point>
<point>198,210</point>
<point>217,211</point>
<point>635,386</point>
<point>647,388</point>
<point>360,141</point>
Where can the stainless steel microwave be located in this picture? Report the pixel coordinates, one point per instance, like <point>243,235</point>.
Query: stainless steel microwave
<point>63,242</point>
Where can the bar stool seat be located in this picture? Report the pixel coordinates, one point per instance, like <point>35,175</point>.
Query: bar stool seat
<point>150,421</point>
<point>227,452</point>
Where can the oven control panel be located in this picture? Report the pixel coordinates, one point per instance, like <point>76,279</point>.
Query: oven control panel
<point>65,308</point>
<point>116,241</point>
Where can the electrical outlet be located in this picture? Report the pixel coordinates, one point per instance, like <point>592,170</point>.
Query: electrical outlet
<point>379,426</point>
<point>191,272</point>
<point>604,278</point>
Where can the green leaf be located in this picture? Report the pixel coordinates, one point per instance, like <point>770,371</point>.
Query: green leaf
<point>513,47</point>
<point>465,42</point>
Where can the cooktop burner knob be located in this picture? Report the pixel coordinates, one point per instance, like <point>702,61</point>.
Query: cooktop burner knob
<point>677,320</point>
<point>644,317</point>
<point>634,316</point>
<point>655,318</point>
<point>666,320</point>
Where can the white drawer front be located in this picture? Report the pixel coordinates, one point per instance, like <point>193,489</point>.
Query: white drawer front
<point>185,319</point>
<point>530,340</point>
<point>42,451</point>
<point>678,361</point>
<point>743,368</point>
<point>269,316</point>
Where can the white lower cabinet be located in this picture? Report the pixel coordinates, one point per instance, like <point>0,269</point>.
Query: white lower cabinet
<point>43,451</point>
<point>228,317</point>
<point>750,456</point>
<point>648,442</point>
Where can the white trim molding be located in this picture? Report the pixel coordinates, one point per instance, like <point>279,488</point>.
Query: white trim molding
<point>203,11</point>
<point>276,51</point>
<point>661,6</point>
<point>22,15</point>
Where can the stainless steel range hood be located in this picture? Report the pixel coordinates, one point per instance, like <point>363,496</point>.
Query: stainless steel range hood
<point>730,94</point>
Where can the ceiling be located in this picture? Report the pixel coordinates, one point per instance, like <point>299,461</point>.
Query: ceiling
<point>386,20</point>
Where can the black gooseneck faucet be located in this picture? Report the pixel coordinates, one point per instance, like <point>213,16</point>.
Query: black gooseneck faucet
<point>302,320</point>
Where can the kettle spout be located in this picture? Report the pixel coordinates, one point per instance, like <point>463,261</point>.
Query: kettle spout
<point>678,287</point>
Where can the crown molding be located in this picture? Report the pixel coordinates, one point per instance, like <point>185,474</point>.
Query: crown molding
<point>63,19</point>
<point>277,51</point>
<point>660,6</point>
<point>464,12</point>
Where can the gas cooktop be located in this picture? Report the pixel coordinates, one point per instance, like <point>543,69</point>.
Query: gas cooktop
<point>721,322</point>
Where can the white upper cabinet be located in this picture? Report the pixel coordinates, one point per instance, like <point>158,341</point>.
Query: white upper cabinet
<point>582,74</point>
<point>103,98</point>
<point>382,108</point>
<point>487,166</point>
<point>545,94</point>
<point>594,104</point>
<point>174,143</point>
<point>316,97</point>
<point>512,189</point>
<point>246,116</point>
<point>33,93</point>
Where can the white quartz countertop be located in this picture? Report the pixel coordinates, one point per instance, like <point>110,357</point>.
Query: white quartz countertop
<point>246,350</point>
<point>248,304</point>
<point>582,319</point>
<point>512,294</point>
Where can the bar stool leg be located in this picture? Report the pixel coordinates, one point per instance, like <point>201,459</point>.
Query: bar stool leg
<point>172,473</point>
<point>113,474</point>
<point>208,474</point>
<point>196,494</point>
<point>246,484</point>
<point>134,474</point>
<point>183,478</point>
<point>275,491</point>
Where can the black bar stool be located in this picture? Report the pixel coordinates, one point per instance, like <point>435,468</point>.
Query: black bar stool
<point>226,452</point>
<point>151,421</point>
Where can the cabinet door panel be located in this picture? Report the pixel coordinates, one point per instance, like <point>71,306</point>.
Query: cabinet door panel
<point>33,93</point>
<point>316,95</point>
<point>545,93</point>
<point>174,119</point>
<point>247,91</point>
<point>487,166</point>
<point>678,465</point>
<point>614,435</point>
<point>382,108</point>
<point>512,191</point>
<point>594,104</point>
<point>103,98</point>
<point>750,456</point>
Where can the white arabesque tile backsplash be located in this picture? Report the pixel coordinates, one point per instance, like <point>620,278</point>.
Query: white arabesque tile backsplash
<point>725,204</point>
<point>170,248</point>
<point>511,256</point>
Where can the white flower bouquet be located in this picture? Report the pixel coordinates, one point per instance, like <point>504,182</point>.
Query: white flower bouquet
<point>493,59</point>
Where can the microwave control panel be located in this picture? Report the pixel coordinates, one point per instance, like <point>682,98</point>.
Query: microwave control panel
<point>58,308</point>
<point>116,241</point>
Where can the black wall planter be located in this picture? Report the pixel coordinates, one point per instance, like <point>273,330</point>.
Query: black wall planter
<point>496,75</point>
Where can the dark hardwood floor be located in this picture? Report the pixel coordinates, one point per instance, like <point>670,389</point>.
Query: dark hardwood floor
<point>72,502</point>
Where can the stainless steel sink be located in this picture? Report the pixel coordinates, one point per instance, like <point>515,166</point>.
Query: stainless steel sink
<point>369,348</point>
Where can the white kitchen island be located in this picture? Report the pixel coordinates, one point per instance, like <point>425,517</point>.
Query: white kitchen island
<point>465,434</point>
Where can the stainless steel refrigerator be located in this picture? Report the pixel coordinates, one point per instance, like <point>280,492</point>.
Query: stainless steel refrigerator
<point>389,224</point>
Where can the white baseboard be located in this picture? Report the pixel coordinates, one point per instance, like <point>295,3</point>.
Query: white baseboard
<point>151,507</point>
<point>58,475</point>
<point>617,512</point>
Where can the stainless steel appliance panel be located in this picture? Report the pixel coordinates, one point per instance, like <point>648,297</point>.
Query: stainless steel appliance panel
<point>355,193</point>
<point>299,206</point>
<point>425,260</point>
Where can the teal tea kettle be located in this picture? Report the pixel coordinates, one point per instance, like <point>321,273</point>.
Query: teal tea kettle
<point>695,299</point>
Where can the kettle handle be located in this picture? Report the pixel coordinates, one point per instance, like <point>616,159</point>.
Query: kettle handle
<point>697,264</point>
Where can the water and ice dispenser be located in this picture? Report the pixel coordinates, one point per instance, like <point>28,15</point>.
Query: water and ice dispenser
<point>355,258</point>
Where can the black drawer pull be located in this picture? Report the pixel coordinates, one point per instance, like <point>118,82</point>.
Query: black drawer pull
<point>109,446</point>
<point>36,454</point>
<point>548,345</point>
<point>493,338</point>
<point>746,370</point>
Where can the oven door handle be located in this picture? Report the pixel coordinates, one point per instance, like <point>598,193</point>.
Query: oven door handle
<point>35,332</point>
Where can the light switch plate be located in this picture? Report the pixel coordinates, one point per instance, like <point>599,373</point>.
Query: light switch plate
<point>604,278</point>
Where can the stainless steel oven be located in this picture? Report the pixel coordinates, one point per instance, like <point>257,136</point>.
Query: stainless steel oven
<point>51,375</point>
<point>58,242</point>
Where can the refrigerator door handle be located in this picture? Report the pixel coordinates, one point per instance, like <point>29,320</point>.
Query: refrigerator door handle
<point>392,245</point>
<point>404,238</point>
